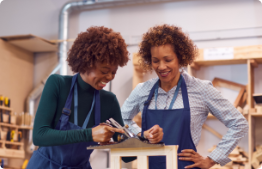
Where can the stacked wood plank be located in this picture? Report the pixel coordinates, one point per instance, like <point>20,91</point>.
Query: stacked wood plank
<point>257,158</point>
<point>239,159</point>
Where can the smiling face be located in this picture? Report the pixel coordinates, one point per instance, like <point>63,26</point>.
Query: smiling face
<point>100,75</point>
<point>166,65</point>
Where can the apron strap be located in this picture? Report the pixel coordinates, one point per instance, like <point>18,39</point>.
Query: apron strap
<point>176,92</point>
<point>67,109</point>
<point>184,94</point>
<point>89,113</point>
<point>146,104</point>
<point>69,98</point>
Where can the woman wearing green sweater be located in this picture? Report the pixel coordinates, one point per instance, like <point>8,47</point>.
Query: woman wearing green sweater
<point>72,107</point>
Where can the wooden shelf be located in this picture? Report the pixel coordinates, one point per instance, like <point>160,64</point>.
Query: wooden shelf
<point>11,153</point>
<point>5,108</point>
<point>225,62</point>
<point>13,143</point>
<point>256,114</point>
<point>26,127</point>
<point>16,126</point>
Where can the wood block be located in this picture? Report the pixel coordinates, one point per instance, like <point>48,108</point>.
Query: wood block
<point>217,166</point>
<point>258,108</point>
<point>247,166</point>
<point>13,119</point>
<point>245,154</point>
<point>235,166</point>
<point>254,161</point>
<point>238,159</point>
<point>235,152</point>
<point>3,135</point>
<point>245,110</point>
<point>240,109</point>
<point>259,156</point>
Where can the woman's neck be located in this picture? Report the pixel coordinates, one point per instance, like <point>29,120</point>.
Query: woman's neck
<point>166,86</point>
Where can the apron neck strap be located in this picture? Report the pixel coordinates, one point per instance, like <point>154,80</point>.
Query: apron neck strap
<point>184,94</point>
<point>89,113</point>
<point>67,109</point>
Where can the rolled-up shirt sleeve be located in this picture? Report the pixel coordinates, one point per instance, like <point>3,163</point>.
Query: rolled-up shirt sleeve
<point>236,123</point>
<point>130,108</point>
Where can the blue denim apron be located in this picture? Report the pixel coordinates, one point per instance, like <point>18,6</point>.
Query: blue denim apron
<point>69,156</point>
<point>175,124</point>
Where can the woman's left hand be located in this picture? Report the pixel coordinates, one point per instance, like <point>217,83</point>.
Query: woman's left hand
<point>200,162</point>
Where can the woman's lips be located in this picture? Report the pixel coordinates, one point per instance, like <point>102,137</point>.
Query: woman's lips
<point>102,84</point>
<point>164,74</point>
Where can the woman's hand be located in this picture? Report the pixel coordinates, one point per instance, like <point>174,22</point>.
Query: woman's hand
<point>200,162</point>
<point>103,133</point>
<point>154,134</point>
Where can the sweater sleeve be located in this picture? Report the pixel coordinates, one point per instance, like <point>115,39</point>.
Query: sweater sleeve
<point>44,133</point>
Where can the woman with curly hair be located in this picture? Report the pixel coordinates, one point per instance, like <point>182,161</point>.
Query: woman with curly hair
<point>72,107</point>
<point>177,104</point>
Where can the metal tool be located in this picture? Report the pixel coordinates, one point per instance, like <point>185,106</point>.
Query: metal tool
<point>127,132</point>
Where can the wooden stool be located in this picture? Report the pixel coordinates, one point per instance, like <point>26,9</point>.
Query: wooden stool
<point>142,156</point>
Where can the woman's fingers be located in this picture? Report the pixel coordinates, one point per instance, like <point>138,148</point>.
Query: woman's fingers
<point>188,151</point>
<point>155,129</point>
<point>157,138</point>
<point>185,154</point>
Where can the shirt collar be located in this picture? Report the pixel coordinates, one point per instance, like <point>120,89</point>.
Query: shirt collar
<point>83,85</point>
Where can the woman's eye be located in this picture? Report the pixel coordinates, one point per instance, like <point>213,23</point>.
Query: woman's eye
<point>104,72</point>
<point>168,60</point>
<point>155,61</point>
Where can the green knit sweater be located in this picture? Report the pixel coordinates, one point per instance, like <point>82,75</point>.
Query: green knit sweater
<point>53,101</point>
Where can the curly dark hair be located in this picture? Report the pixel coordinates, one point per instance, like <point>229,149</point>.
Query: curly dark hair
<point>184,47</point>
<point>97,44</point>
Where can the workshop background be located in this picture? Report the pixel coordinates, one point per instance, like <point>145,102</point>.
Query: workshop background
<point>210,24</point>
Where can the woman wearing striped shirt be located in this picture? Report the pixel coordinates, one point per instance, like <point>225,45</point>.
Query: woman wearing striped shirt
<point>177,104</point>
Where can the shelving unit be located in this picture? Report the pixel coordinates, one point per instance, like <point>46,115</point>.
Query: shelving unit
<point>252,56</point>
<point>12,149</point>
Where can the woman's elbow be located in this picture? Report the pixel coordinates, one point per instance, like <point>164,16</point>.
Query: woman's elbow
<point>37,139</point>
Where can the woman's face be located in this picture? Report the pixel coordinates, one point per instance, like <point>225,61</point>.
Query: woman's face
<point>166,64</point>
<point>100,75</point>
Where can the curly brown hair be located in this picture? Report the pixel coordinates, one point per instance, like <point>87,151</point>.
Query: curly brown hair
<point>97,44</point>
<point>184,47</point>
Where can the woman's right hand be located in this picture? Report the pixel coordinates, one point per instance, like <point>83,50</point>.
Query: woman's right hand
<point>154,134</point>
<point>103,133</point>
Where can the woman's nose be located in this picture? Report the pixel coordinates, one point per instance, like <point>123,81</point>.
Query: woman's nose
<point>110,76</point>
<point>162,66</point>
